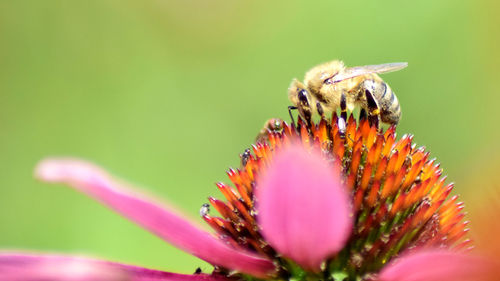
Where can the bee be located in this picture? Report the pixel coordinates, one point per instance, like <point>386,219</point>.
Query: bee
<point>331,85</point>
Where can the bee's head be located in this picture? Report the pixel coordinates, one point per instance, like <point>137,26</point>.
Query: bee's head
<point>302,99</point>
<point>321,75</point>
<point>298,94</point>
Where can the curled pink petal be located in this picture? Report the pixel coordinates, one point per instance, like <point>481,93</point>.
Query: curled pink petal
<point>31,267</point>
<point>302,207</point>
<point>439,265</point>
<point>158,219</point>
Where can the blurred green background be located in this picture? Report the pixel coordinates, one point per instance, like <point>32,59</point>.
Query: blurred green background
<point>169,93</point>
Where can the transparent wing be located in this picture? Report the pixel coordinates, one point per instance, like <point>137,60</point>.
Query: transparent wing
<point>369,69</point>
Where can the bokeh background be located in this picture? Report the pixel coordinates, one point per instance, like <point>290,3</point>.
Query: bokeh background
<point>169,93</point>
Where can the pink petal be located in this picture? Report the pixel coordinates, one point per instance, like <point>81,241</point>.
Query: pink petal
<point>302,207</point>
<point>28,267</point>
<point>439,265</point>
<point>154,217</point>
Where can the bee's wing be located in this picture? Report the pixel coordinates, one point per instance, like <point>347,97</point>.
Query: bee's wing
<point>369,69</point>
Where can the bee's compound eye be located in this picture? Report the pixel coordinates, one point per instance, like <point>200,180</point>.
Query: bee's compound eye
<point>204,210</point>
<point>302,96</point>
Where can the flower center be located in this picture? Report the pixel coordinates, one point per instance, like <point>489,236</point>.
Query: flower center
<point>398,195</point>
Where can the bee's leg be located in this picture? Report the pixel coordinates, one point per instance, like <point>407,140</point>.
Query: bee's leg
<point>306,112</point>
<point>290,108</point>
<point>320,110</point>
<point>362,115</point>
<point>373,109</point>
<point>343,107</point>
<point>341,122</point>
<point>304,107</point>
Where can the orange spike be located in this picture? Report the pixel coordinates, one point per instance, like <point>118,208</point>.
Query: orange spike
<point>334,120</point>
<point>243,211</point>
<point>391,131</point>
<point>229,227</point>
<point>358,199</point>
<point>351,180</point>
<point>251,228</point>
<point>438,189</point>
<point>389,143</point>
<point>234,177</point>
<point>223,209</point>
<point>322,131</point>
<point>388,187</point>
<point>415,194</point>
<point>391,166</point>
<point>365,179</point>
<point>266,152</point>
<point>452,215</point>
<point>228,192</point>
<point>213,223</point>
<point>447,226</point>
<point>244,195</point>
<point>404,141</point>
<point>448,205</point>
<point>398,204</point>
<point>419,154</point>
<point>420,215</point>
<point>431,183</point>
<point>249,170</point>
<point>350,131</point>
<point>444,193</point>
<point>304,134</point>
<point>272,138</point>
<point>287,129</point>
<point>427,169</point>
<point>356,158</point>
<point>370,138</point>
<point>457,235</point>
<point>364,129</point>
<point>403,153</point>
<point>399,178</point>
<point>374,153</point>
<point>464,245</point>
<point>338,146</point>
<point>257,247</point>
<point>413,173</point>
<point>373,194</point>
<point>256,150</point>
<point>432,209</point>
<point>380,169</point>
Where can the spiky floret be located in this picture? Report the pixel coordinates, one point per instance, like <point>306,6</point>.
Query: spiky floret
<point>400,200</point>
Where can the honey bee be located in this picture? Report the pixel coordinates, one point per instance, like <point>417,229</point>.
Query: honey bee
<point>331,85</point>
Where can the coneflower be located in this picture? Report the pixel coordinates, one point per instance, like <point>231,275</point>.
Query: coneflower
<point>308,203</point>
<point>397,197</point>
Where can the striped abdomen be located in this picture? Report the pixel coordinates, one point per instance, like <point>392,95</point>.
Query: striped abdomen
<point>390,111</point>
